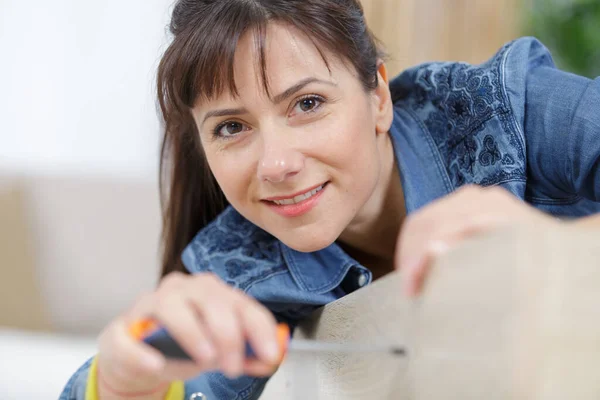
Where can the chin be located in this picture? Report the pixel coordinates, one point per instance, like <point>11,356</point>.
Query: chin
<point>307,243</point>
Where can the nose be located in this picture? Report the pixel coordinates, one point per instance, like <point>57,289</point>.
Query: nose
<point>279,160</point>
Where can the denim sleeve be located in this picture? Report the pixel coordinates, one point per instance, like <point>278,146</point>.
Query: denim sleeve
<point>214,385</point>
<point>75,387</point>
<point>559,113</point>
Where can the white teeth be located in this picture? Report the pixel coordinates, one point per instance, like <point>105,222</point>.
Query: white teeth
<point>299,198</point>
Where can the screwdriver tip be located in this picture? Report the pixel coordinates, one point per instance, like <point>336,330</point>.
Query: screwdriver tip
<point>398,351</point>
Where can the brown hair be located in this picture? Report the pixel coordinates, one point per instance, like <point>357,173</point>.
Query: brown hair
<point>199,64</point>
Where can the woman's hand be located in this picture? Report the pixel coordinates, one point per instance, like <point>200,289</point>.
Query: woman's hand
<point>467,212</point>
<point>210,321</point>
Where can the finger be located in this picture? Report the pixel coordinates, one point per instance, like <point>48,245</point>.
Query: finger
<point>226,333</point>
<point>128,358</point>
<point>444,223</point>
<point>259,368</point>
<point>414,276</point>
<point>447,212</point>
<point>430,249</point>
<point>427,232</point>
<point>180,319</point>
<point>215,304</point>
<point>260,328</point>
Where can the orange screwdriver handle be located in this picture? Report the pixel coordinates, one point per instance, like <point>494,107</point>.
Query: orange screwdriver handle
<point>150,332</point>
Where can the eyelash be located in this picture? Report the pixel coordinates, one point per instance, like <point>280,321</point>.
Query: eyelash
<point>319,99</point>
<point>316,97</point>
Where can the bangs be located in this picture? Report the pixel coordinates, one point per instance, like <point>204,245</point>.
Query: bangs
<point>201,58</point>
<point>209,71</point>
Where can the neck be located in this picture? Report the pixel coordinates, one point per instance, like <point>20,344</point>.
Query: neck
<point>373,233</point>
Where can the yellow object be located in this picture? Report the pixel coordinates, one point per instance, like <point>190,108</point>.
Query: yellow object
<point>91,389</point>
<point>176,390</point>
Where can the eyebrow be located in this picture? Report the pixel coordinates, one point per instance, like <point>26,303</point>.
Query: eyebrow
<point>276,100</point>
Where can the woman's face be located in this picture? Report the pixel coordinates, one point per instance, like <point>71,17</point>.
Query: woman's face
<point>303,164</point>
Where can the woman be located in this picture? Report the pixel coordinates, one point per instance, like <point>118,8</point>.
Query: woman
<point>295,173</point>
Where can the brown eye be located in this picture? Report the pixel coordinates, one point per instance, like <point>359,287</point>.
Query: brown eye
<point>233,127</point>
<point>307,105</point>
<point>229,129</point>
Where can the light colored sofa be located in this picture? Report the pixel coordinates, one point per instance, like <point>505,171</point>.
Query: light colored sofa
<point>74,253</point>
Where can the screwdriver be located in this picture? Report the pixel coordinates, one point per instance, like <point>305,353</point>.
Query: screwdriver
<point>158,337</point>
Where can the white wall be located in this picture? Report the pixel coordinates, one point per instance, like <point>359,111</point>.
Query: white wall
<point>77,86</point>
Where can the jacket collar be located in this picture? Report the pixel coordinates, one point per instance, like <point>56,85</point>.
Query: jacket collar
<point>320,271</point>
<point>422,174</point>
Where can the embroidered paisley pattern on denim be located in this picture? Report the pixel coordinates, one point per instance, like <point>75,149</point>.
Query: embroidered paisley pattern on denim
<point>490,154</point>
<point>237,251</point>
<point>464,108</point>
<point>261,246</point>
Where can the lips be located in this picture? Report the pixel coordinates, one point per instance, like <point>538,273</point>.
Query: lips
<point>297,204</point>
<point>299,198</point>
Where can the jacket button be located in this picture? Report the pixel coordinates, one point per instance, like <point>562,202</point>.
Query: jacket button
<point>198,396</point>
<point>362,279</point>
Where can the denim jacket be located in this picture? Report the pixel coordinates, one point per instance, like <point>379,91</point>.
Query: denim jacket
<point>514,121</point>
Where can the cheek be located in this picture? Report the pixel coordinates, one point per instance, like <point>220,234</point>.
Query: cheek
<point>362,161</point>
<point>351,145</point>
<point>231,172</point>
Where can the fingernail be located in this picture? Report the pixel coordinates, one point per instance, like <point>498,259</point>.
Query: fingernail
<point>438,247</point>
<point>411,264</point>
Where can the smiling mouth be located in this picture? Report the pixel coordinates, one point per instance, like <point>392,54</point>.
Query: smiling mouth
<point>299,198</point>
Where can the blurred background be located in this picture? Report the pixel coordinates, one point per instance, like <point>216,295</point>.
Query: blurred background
<point>79,211</point>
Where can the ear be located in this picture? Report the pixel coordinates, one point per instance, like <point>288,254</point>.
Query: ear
<point>384,111</point>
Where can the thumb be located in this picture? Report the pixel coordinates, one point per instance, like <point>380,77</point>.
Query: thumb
<point>416,272</point>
